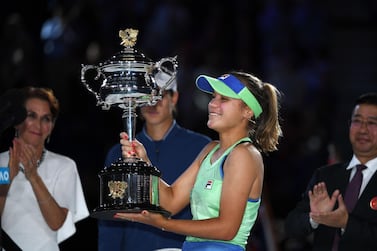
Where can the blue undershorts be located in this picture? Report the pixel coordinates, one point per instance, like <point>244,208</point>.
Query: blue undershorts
<point>210,246</point>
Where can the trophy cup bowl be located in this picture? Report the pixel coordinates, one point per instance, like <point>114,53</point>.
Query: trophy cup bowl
<point>128,80</point>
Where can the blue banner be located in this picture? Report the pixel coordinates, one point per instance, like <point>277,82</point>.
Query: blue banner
<point>4,175</point>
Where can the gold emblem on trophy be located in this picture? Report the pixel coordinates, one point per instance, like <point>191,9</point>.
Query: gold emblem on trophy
<point>117,189</point>
<point>129,37</point>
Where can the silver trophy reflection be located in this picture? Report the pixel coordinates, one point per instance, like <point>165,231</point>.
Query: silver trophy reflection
<point>128,80</point>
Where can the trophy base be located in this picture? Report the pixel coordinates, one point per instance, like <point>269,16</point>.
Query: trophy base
<point>108,213</point>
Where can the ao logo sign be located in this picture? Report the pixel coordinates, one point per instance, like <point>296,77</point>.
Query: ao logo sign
<point>4,175</point>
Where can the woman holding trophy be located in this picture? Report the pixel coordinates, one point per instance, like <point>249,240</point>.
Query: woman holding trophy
<point>224,183</point>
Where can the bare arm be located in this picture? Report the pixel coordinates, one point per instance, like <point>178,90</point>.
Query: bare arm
<point>172,197</point>
<point>176,196</point>
<point>243,176</point>
<point>53,214</point>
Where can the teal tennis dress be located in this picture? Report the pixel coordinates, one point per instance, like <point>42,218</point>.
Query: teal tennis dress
<point>205,204</point>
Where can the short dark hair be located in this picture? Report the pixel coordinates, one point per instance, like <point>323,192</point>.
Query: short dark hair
<point>367,98</point>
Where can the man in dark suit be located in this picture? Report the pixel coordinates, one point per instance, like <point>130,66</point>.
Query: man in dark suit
<point>323,209</point>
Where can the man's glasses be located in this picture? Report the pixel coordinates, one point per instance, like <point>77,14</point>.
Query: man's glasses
<point>371,124</point>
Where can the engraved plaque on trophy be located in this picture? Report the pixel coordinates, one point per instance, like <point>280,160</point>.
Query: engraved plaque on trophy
<point>128,80</point>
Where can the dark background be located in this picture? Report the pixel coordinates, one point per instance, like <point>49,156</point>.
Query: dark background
<point>320,54</point>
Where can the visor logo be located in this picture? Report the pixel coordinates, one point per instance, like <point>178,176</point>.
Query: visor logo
<point>224,76</point>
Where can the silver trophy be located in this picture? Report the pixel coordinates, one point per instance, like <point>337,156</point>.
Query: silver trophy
<point>128,80</point>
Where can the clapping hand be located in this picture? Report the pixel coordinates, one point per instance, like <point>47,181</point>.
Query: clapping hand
<point>320,200</point>
<point>322,207</point>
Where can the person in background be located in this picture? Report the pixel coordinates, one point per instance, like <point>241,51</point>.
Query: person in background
<point>224,183</point>
<point>171,149</point>
<point>324,209</point>
<point>44,200</point>
<point>12,112</point>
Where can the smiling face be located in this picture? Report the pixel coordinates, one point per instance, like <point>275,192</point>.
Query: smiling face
<point>363,132</point>
<point>38,123</point>
<point>226,113</point>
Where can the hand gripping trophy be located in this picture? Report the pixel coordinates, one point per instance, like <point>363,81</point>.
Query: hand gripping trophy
<point>128,80</point>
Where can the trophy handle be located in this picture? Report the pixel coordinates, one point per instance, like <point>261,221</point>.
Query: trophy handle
<point>168,66</point>
<point>87,85</point>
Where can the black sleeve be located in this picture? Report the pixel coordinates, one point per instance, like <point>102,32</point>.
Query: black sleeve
<point>297,222</point>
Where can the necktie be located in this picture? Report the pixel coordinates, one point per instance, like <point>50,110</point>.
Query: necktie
<point>353,189</point>
<point>351,196</point>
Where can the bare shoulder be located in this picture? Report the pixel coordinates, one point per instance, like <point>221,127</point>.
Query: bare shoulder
<point>246,153</point>
<point>208,148</point>
<point>195,165</point>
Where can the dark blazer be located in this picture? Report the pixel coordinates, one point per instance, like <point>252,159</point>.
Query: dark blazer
<point>361,229</point>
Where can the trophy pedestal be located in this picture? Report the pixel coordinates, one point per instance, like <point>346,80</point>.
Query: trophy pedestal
<point>128,186</point>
